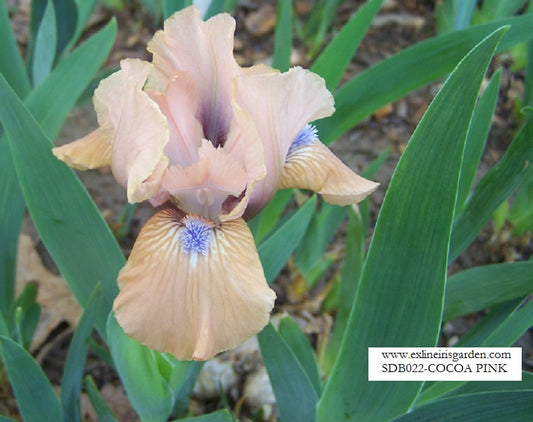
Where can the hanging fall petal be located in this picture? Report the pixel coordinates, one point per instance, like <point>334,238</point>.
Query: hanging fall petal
<point>90,152</point>
<point>311,165</point>
<point>191,288</point>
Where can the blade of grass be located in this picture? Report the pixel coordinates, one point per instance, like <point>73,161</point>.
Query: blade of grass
<point>50,104</point>
<point>138,370</point>
<point>463,13</point>
<point>26,378</point>
<point>399,301</point>
<point>219,6</point>
<point>77,354</point>
<point>393,78</point>
<point>350,274</point>
<point>490,322</point>
<point>27,314</point>
<point>494,188</point>
<point>264,222</point>
<point>61,215</point>
<point>230,5</point>
<point>4,331</point>
<point>498,406</point>
<point>528,81</point>
<point>300,346</point>
<point>181,379</point>
<point>84,10</point>
<point>325,20</point>
<point>172,6</point>
<point>481,287</point>
<point>295,395</point>
<point>453,15</point>
<point>281,59</point>
<point>44,52</point>
<point>12,65</point>
<point>322,227</point>
<point>36,14</point>
<point>278,247</point>
<point>66,20</point>
<point>487,386</point>
<point>521,212</point>
<point>333,61</point>
<point>477,136</point>
<point>495,9</point>
<point>10,223</point>
<point>99,405</point>
<point>512,328</point>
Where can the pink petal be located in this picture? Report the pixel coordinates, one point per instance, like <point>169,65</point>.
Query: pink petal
<point>108,97</point>
<point>132,134</point>
<point>244,145</point>
<point>313,166</point>
<point>140,129</point>
<point>159,198</point>
<point>203,187</point>
<point>205,51</point>
<point>180,104</point>
<point>90,152</point>
<point>193,300</point>
<point>151,187</point>
<point>259,69</point>
<point>280,105</point>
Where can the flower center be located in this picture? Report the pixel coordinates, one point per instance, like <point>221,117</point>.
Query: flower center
<point>307,135</point>
<point>215,124</point>
<point>196,235</point>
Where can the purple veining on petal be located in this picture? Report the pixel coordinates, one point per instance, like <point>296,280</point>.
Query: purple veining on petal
<point>196,235</point>
<point>307,135</point>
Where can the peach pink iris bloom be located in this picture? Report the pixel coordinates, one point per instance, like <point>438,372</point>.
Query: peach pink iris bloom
<point>208,143</point>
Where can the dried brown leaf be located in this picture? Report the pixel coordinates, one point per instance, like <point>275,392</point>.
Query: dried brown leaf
<point>56,300</point>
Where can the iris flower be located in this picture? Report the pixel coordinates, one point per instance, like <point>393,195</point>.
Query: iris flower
<point>207,143</point>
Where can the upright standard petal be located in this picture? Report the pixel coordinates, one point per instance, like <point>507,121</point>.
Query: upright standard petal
<point>140,133</point>
<point>108,98</point>
<point>95,149</point>
<point>191,288</point>
<point>132,135</point>
<point>280,104</point>
<point>311,165</point>
<point>205,51</point>
<point>179,104</point>
<point>244,145</point>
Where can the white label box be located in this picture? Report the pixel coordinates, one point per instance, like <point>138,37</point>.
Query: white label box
<point>445,364</point>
